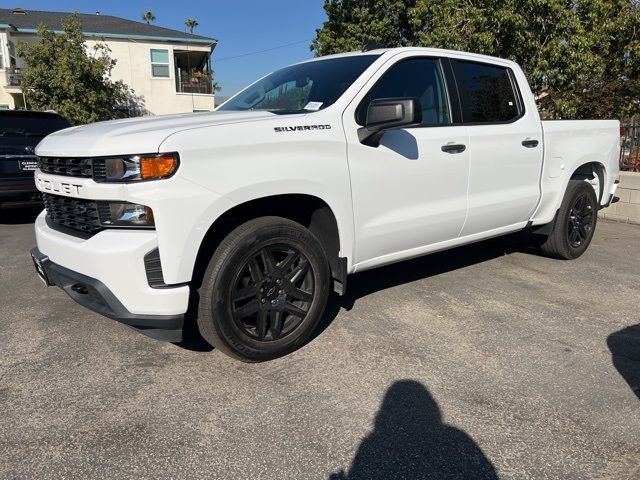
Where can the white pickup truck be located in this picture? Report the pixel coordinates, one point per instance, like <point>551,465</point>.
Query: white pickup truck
<point>247,217</point>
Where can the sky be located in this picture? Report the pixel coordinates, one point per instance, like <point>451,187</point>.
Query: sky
<point>240,26</point>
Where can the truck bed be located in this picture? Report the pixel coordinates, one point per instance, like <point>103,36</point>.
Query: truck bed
<point>569,144</point>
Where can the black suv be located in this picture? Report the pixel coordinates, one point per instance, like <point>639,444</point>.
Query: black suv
<point>20,132</point>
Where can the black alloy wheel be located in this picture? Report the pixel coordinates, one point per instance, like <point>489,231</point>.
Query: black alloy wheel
<point>264,291</point>
<point>272,292</point>
<point>575,222</point>
<point>581,221</point>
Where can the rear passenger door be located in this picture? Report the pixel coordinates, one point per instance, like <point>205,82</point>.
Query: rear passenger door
<point>505,145</point>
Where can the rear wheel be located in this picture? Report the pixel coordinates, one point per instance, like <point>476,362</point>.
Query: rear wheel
<point>575,224</point>
<point>264,291</point>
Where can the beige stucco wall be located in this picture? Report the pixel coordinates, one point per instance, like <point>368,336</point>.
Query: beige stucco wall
<point>158,96</point>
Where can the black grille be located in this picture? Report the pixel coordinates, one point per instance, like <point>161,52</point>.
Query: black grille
<point>99,169</point>
<point>74,213</point>
<point>67,166</point>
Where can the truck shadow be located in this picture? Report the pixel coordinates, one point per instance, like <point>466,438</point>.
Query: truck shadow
<point>411,441</point>
<point>365,283</point>
<point>625,355</point>
<point>362,284</point>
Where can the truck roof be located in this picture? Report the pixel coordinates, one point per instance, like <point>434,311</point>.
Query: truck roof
<point>422,50</point>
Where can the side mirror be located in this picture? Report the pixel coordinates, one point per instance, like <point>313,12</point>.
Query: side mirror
<point>386,114</point>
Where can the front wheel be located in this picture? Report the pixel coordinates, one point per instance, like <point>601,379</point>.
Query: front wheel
<point>264,291</point>
<point>575,223</point>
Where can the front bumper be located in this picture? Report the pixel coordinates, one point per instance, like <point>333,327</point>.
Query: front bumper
<point>94,295</point>
<point>111,263</point>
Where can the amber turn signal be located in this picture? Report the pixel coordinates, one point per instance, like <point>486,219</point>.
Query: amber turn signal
<point>160,166</point>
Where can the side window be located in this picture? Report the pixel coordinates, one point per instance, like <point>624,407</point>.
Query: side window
<point>486,93</point>
<point>159,63</point>
<point>419,78</point>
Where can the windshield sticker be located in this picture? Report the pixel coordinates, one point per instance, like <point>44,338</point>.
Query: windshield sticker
<point>313,106</point>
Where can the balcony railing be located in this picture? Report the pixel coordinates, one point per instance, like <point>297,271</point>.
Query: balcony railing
<point>197,83</point>
<point>14,77</point>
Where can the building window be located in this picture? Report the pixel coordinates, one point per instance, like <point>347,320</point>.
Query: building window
<point>159,63</point>
<point>2,59</point>
<point>12,54</point>
<point>192,71</point>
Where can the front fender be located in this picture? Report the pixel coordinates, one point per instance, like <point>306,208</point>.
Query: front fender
<point>242,162</point>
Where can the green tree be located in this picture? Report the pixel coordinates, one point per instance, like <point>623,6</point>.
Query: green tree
<point>191,23</point>
<point>61,74</point>
<point>148,17</point>
<point>581,56</point>
<point>352,23</point>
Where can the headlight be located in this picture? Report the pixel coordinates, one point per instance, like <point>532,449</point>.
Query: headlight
<point>123,214</point>
<point>135,168</point>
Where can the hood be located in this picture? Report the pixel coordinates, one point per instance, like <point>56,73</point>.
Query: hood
<point>133,135</point>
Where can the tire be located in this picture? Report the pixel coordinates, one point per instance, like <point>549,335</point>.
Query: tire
<point>264,291</point>
<point>575,223</point>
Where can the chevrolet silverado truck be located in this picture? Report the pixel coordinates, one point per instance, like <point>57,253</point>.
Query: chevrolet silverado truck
<point>249,216</point>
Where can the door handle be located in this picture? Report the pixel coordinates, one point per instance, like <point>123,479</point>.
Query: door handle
<point>529,143</point>
<point>454,148</point>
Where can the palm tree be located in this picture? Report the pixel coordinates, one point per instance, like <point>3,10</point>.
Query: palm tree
<point>191,23</point>
<point>148,17</point>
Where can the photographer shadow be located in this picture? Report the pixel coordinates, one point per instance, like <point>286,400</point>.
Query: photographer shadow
<point>410,441</point>
<point>625,355</point>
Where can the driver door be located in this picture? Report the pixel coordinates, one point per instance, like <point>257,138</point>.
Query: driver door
<point>409,193</point>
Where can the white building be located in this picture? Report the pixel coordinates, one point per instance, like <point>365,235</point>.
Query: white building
<point>169,70</point>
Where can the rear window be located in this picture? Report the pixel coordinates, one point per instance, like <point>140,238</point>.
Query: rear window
<point>30,126</point>
<point>486,93</point>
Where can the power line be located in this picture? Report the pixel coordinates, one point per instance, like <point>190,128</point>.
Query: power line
<point>261,51</point>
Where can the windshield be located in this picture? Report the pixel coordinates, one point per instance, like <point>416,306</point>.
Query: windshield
<point>30,126</point>
<point>306,87</point>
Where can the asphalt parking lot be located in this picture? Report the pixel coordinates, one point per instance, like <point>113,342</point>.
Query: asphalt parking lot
<point>486,361</point>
